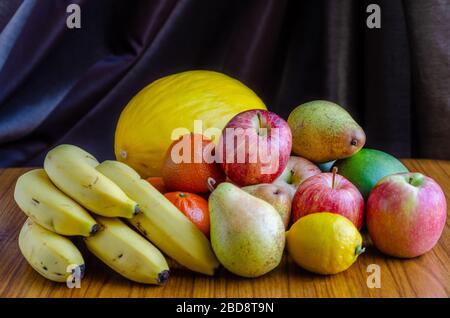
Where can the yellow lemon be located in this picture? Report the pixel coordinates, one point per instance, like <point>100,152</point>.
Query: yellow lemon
<point>324,243</point>
<point>147,125</point>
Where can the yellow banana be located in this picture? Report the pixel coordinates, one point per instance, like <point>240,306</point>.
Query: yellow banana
<point>51,255</point>
<point>161,222</point>
<point>72,170</point>
<point>46,205</point>
<point>128,253</point>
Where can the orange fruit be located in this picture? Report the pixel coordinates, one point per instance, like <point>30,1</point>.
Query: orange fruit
<point>158,183</point>
<point>193,206</point>
<point>188,168</point>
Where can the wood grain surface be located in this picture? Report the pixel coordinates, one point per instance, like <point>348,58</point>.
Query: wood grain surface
<point>425,276</point>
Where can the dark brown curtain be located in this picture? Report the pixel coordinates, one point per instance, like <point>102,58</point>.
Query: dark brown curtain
<point>60,85</point>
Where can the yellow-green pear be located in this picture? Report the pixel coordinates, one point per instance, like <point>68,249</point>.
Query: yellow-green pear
<point>323,131</point>
<point>247,234</point>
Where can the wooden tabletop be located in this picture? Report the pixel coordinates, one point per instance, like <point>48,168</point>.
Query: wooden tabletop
<point>425,276</point>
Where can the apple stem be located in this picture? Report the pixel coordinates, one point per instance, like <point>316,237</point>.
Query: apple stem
<point>260,119</point>
<point>335,170</point>
<point>263,128</point>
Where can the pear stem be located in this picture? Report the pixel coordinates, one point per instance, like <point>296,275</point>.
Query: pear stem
<point>335,170</point>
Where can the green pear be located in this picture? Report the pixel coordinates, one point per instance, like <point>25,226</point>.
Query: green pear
<point>279,196</point>
<point>247,234</point>
<point>323,131</point>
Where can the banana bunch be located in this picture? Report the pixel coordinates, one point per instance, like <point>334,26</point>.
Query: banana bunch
<point>75,195</point>
<point>161,222</point>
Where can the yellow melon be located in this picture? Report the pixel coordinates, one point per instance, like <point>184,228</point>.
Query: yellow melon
<point>145,127</point>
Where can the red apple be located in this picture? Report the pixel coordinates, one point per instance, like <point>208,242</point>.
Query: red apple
<point>255,147</point>
<point>329,192</point>
<point>406,214</point>
<point>298,169</point>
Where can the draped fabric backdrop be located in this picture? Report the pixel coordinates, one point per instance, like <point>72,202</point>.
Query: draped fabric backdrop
<point>60,85</point>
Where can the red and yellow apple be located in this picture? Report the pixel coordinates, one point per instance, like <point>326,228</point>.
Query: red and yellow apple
<point>278,196</point>
<point>406,214</point>
<point>254,147</point>
<point>297,170</point>
<point>328,192</point>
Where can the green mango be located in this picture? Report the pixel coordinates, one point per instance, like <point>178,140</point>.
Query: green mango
<point>367,167</point>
